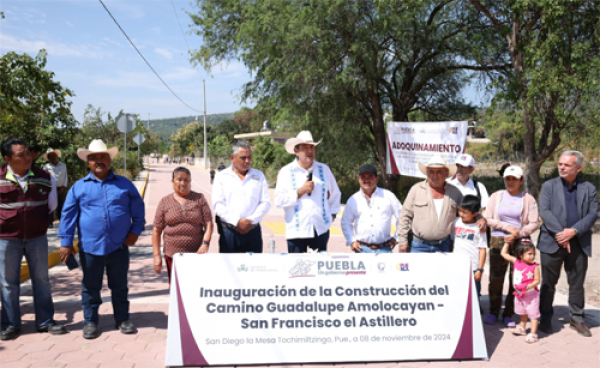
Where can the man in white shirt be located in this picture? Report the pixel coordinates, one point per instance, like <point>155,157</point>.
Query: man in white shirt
<point>368,214</point>
<point>58,170</point>
<point>309,196</point>
<point>240,200</point>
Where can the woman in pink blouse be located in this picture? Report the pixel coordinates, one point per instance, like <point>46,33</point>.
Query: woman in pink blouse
<point>185,218</point>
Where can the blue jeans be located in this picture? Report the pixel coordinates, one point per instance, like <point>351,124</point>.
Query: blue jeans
<point>117,267</point>
<point>317,242</point>
<point>364,249</point>
<point>230,241</point>
<point>36,254</point>
<point>424,247</point>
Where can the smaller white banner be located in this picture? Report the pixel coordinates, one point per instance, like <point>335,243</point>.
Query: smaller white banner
<point>411,143</point>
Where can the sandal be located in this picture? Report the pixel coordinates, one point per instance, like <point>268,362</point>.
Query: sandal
<point>519,331</point>
<point>531,338</point>
<point>508,322</point>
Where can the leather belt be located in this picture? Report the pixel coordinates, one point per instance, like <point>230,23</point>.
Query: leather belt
<point>431,242</point>
<point>391,242</point>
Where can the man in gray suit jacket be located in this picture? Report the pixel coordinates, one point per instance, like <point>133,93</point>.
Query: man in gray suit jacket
<point>568,208</point>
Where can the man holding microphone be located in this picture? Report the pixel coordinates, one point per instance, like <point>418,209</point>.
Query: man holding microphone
<point>309,195</point>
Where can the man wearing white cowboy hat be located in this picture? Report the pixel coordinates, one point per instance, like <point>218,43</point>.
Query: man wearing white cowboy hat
<point>309,196</point>
<point>432,206</point>
<point>58,170</point>
<point>109,214</point>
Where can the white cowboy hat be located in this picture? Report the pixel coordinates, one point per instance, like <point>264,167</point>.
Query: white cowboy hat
<point>49,151</point>
<point>304,137</point>
<point>437,161</point>
<point>97,146</point>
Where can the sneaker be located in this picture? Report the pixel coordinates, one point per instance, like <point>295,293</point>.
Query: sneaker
<point>53,329</point>
<point>126,327</point>
<point>10,333</point>
<point>490,320</point>
<point>508,322</point>
<point>89,331</point>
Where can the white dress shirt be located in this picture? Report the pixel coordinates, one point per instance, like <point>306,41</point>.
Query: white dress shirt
<point>370,221</point>
<point>307,214</point>
<point>58,172</point>
<point>469,188</point>
<point>234,199</point>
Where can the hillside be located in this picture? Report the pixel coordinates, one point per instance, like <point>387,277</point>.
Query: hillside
<point>166,127</point>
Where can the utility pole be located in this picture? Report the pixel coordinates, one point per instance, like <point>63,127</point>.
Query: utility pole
<point>148,124</point>
<point>205,150</point>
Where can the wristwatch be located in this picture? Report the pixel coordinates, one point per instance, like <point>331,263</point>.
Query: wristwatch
<point>479,269</point>
<point>205,242</point>
<point>575,230</point>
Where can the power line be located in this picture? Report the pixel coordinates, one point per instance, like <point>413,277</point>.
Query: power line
<point>147,63</point>
<point>180,27</point>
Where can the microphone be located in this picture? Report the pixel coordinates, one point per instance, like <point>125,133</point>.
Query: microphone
<point>309,177</point>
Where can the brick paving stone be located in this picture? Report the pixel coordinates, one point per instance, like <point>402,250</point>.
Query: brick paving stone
<point>40,356</point>
<point>141,357</point>
<point>34,337</point>
<point>508,358</point>
<point>33,347</point>
<point>107,355</point>
<point>131,346</point>
<point>48,365</point>
<point>558,356</point>
<point>65,347</point>
<point>87,364</point>
<point>558,365</point>
<point>20,364</point>
<point>10,355</point>
<point>75,356</point>
<point>532,357</point>
<point>119,364</point>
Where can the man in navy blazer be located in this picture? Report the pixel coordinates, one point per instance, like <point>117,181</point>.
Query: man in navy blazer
<point>568,208</point>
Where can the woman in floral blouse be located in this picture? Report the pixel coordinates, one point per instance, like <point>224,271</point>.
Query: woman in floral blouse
<point>185,218</point>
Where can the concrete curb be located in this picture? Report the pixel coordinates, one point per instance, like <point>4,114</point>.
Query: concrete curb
<point>53,254</point>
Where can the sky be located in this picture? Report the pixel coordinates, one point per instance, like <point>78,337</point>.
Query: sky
<point>89,55</point>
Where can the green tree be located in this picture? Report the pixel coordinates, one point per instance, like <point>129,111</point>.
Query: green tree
<point>335,64</point>
<point>33,106</point>
<point>553,47</point>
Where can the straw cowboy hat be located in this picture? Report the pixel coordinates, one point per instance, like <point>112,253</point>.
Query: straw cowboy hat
<point>304,137</point>
<point>97,146</point>
<point>437,161</point>
<point>49,151</point>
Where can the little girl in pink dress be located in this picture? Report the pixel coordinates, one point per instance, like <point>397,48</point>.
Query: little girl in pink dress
<point>526,278</point>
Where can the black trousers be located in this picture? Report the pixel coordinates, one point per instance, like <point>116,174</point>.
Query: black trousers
<point>576,265</point>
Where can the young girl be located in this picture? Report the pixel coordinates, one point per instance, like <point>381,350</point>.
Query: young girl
<point>526,278</point>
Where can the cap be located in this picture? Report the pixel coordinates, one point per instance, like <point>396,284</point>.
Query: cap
<point>513,170</point>
<point>367,169</point>
<point>465,160</point>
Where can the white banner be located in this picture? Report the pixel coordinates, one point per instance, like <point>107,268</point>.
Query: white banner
<point>411,143</point>
<point>232,309</point>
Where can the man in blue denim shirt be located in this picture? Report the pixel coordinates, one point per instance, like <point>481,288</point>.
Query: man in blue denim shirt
<point>109,215</point>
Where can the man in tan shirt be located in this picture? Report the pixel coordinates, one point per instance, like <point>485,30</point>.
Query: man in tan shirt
<point>432,206</point>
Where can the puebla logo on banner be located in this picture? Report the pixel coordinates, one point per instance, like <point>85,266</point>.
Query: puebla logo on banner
<point>411,143</point>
